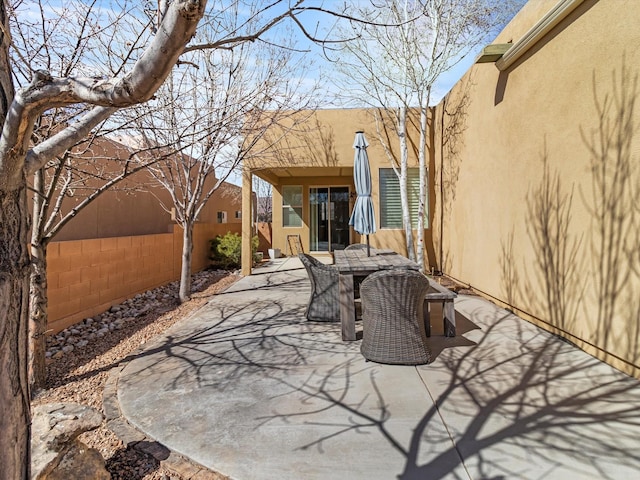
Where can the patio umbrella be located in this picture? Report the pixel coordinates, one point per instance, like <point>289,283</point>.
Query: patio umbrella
<point>362,218</point>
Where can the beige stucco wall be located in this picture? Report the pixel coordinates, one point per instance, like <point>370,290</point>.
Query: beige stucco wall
<point>540,183</point>
<point>132,207</point>
<point>279,232</point>
<point>118,213</point>
<point>383,238</point>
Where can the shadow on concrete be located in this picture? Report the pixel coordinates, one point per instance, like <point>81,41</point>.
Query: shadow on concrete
<point>523,404</point>
<point>250,389</point>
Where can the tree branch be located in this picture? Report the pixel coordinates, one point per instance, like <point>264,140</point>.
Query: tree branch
<point>57,144</point>
<point>292,13</point>
<point>45,92</point>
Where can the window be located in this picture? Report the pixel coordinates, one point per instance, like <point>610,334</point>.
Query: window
<point>238,213</point>
<point>390,203</point>
<point>222,217</point>
<point>292,206</point>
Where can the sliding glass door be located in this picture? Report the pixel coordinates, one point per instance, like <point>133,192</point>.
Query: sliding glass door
<point>329,220</point>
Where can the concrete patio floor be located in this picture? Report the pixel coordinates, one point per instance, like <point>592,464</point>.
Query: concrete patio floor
<point>248,388</point>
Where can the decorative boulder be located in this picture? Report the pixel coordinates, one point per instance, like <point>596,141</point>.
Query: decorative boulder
<point>56,453</point>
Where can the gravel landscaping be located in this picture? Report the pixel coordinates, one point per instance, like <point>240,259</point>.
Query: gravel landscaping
<point>80,358</point>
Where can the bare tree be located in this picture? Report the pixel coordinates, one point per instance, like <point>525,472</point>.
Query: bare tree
<point>61,190</point>
<point>209,117</point>
<point>47,36</point>
<point>73,37</point>
<point>264,200</point>
<point>18,160</point>
<point>398,67</point>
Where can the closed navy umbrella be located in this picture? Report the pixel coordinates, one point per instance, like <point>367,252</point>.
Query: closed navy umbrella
<point>362,218</point>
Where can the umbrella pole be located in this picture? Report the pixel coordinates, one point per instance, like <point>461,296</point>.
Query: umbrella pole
<point>368,247</point>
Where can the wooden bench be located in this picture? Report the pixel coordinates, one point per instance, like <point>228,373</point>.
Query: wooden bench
<point>438,293</point>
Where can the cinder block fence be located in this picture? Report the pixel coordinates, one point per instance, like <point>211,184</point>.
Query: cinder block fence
<point>87,277</point>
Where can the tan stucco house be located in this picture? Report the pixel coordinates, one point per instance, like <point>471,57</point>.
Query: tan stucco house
<point>311,170</point>
<point>534,176</point>
<point>133,206</point>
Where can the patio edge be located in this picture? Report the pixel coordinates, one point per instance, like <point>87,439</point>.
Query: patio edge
<point>134,438</point>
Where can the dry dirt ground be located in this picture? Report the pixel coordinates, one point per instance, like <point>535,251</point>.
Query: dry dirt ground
<point>79,376</point>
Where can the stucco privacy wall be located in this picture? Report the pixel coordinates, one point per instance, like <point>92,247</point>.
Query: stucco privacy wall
<point>86,277</point>
<point>538,181</point>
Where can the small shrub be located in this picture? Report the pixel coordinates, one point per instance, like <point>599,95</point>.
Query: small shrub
<point>226,250</point>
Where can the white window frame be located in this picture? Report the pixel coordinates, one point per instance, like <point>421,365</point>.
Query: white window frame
<point>287,208</point>
<point>391,208</point>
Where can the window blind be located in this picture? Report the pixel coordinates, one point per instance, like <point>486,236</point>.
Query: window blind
<point>390,202</point>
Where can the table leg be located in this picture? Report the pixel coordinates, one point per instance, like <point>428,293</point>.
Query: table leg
<point>449,317</point>
<point>426,315</point>
<point>347,309</point>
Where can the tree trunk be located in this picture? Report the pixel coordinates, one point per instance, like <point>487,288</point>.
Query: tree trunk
<point>38,289</point>
<point>14,298</point>
<point>441,266</point>
<point>422,162</point>
<point>15,416</point>
<point>404,197</point>
<point>185,271</point>
<point>37,316</point>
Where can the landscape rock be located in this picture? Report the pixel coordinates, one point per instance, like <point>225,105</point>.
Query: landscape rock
<point>56,453</point>
<point>159,300</point>
<point>79,463</point>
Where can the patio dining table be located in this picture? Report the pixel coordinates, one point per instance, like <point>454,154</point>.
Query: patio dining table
<point>356,263</point>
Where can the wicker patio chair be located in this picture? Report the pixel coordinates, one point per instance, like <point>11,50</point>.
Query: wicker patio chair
<point>324,302</point>
<point>392,316</point>
<point>356,246</point>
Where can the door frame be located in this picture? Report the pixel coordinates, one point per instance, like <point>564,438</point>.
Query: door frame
<point>328,187</point>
